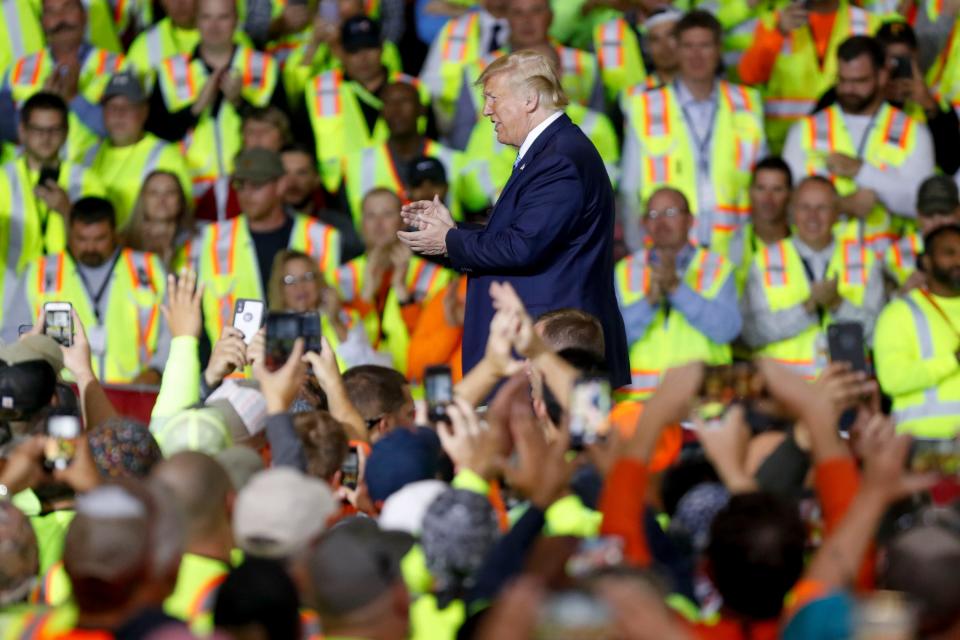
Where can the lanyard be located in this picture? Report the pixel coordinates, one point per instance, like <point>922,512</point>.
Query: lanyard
<point>866,134</point>
<point>943,314</point>
<point>96,297</point>
<point>702,144</point>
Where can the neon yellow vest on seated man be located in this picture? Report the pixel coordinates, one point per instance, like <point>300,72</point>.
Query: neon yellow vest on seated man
<point>214,143</point>
<point>619,57</point>
<point>424,280</point>
<point>132,322</point>
<point>20,32</point>
<point>29,74</point>
<point>891,141</point>
<point>669,341</point>
<point>667,155</point>
<point>915,349</point>
<point>798,79</point>
<point>226,263</point>
<point>786,285</point>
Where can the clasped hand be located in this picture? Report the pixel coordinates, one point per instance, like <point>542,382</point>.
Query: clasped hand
<point>432,221</point>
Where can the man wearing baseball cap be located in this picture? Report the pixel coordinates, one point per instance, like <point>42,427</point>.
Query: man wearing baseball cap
<point>938,204</point>
<point>234,257</point>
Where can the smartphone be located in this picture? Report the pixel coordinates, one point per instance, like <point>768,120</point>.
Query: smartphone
<point>902,67</point>
<point>61,446</point>
<point>48,173</point>
<point>283,329</point>
<point>589,407</point>
<point>248,317</point>
<point>438,387</point>
<point>593,554</point>
<point>350,469</point>
<point>743,384</point>
<point>24,329</point>
<point>311,330</point>
<point>846,344</point>
<point>940,456</point>
<point>58,322</point>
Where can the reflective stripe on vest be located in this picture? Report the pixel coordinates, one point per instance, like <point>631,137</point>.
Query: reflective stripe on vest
<point>140,269</point>
<point>932,407</point>
<point>455,48</point>
<point>154,46</point>
<point>320,237</point>
<point>28,66</point>
<point>328,94</point>
<point>153,157</point>
<point>178,69</point>
<point>11,16</point>
<point>75,182</point>
<point>422,278</point>
<point>775,274</point>
<point>571,61</point>
<point>611,52</point>
<point>348,280</point>
<point>224,255</point>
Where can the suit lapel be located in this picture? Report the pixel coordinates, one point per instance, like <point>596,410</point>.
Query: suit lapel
<point>531,154</point>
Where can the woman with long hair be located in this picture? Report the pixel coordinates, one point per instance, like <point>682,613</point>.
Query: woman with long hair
<point>162,219</point>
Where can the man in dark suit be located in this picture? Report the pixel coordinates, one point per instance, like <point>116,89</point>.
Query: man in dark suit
<point>551,232</point>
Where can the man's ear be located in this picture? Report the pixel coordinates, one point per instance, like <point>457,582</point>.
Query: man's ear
<point>533,101</point>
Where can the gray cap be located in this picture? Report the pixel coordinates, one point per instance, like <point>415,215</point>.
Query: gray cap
<point>126,84</point>
<point>355,563</point>
<point>937,194</point>
<point>33,347</point>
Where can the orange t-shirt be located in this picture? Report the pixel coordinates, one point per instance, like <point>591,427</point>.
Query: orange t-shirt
<point>756,65</point>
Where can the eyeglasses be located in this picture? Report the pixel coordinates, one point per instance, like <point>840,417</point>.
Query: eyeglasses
<point>45,131</point>
<point>291,279</point>
<point>669,212</point>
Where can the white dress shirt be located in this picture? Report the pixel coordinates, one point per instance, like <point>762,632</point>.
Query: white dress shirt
<point>533,135</point>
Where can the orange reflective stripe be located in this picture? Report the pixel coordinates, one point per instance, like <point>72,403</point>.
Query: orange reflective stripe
<point>36,69</point>
<point>18,70</point>
<point>395,176</point>
<point>203,601</point>
<point>119,11</point>
<point>247,67</point>
<point>700,270</point>
<point>328,233</point>
<point>102,62</point>
<point>906,133</point>
<point>621,37</point>
<point>888,127</point>
<point>945,55</point>
<point>419,270</point>
<point>60,262</point>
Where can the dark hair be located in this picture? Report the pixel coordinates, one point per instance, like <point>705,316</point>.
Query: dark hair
<point>565,328</point>
<point>897,33</point>
<point>931,238</point>
<point>773,163</point>
<point>91,210</point>
<point>374,390</point>
<point>699,19</point>
<point>300,147</point>
<point>587,363</point>
<point>259,593</point>
<point>756,553</point>
<point>271,115</point>
<point>324,441</point>
<point>856,46</point>
<point>43,102</point>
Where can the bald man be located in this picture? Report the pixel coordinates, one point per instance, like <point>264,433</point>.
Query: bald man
<point>204,492</point>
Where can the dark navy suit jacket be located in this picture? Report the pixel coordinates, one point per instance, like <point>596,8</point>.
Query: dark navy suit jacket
<point>551,236</point>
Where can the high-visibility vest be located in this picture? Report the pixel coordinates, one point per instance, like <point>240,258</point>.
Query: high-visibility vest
<point>213,144</point>
<point>54,587</point>
<point>36,622</point>
<point>459,44</point>
<point>27,228</point>
<point>374,167</point>
<point>786,285</point>
<point>902,257</point>
<point>488,163</point>
<point>669,341</point>
<point>106,20</point>
<point>667,156</point>
<point>798,79</point>
<point>226,263</point>
<point>618,54</point>
<point>20,32</point>
<point>131,326</point>
<point>161,41</point>
<point>891,141</point>
<point>944,76</point>
<point>296,75</point>
<point>195,593</point>
<point>389,333</point>
<point>51,531</point>
<point>125,169</point>
<point>29,73</point>
<point>910,329</point>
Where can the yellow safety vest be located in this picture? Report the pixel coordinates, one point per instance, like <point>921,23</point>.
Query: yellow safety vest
<point>27,228</point>
<point>20,32</point>
<point>786,285</point>
<point>28,75</point>
<point>891,141</point>
<point>213,144</point>
<point>226,263</point>
<point>797,79</point>
<point>132,324</point>
<point>125,169</point>
<point>910,330</point>
<point>374,167</point>
<point>619,57</point>
<point>902,257</point>
<point>944,76</point>
<point>673,341</point>
<point>488,163</point>
<point>37,622</point>
<point>161,41</point>
<point>424,280</point>
<point>296,74</point>
<point>195,593</point>
<point>54,587</point>
<point>667,152</point>
<point>459,43</point>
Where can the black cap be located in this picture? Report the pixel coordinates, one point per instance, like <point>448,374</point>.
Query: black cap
<point>360,32</point>
<point>936,195</point>
<point>425,169</point>
<point>25,388</point>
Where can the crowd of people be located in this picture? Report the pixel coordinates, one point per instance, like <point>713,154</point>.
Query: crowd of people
<point>787,215</point>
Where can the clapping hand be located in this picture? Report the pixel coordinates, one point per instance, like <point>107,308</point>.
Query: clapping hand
<point>432,221</point>
<point>416,214</point>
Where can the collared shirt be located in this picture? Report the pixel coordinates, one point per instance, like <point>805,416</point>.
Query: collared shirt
<point>533,135</point>
<point>816,260</point>
<point>700,116</point>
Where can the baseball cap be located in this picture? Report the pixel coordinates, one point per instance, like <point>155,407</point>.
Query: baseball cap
<point>280,512</point>
<point>25,388</point>
<point>424,169</point>
<point>122,447</point>
<point>662,15</point>
<point>126,84</point>
<point>33,347</point>
<point>354,564</point>
<point>257,165</point>
<point>241,463</point>
<point>405,509</point>
<point>937,194</point>
<point>360,32</point>
<point>242,405</point>
<point>401,457</point>
<point>204,430</point>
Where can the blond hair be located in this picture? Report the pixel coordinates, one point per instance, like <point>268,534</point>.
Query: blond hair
<point>531,70</point>
<point>275,285</point>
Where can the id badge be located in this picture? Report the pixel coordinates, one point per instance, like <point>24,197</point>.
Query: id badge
<point>97,337</point>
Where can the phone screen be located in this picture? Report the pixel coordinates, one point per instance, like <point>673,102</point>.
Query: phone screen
<point>58,322</point>
<point>48,173</point>
<point>311,329</point>
<point>845,342</point>
<point>283,329</point>
<point>740,383</point>
<point>61,444</point>
<point>438,388</point>
<point>350,470</point>
<point>589,407</point>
